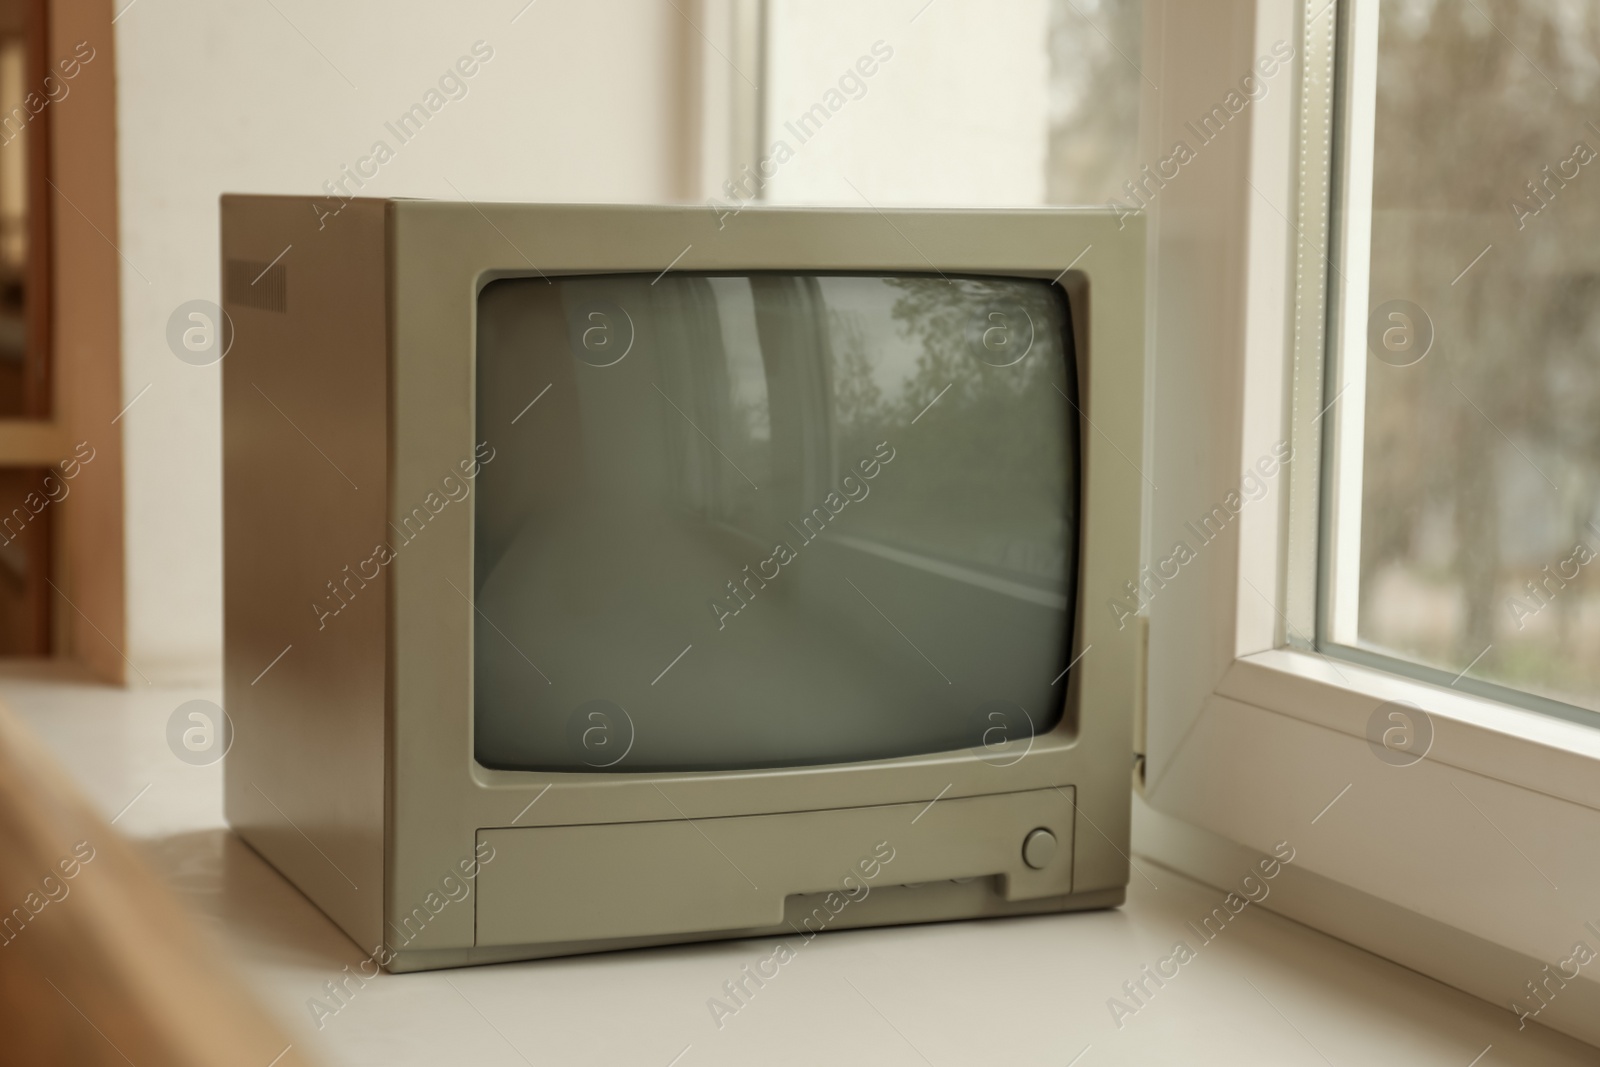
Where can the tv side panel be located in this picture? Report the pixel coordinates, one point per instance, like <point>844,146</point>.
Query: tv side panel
<point>305,490</point>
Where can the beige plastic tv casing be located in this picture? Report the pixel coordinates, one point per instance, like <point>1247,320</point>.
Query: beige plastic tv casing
<point>348,397</point>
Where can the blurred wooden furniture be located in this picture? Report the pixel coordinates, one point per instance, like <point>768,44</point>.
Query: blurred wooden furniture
<point>98,963</point>
<point>61,386</point>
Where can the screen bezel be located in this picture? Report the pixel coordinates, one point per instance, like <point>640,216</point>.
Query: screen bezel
<point>442,254</point>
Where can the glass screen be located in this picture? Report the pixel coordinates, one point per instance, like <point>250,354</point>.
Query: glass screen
<point>743,521</point>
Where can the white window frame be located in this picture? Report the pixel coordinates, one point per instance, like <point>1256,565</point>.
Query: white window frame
<point>1252,737</point>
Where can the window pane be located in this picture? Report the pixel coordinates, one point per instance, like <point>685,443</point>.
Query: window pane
<point>954,102</point>
<point>1094,100</point>
<point>1480,498</point>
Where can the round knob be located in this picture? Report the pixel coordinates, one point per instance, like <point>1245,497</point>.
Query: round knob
<point>1039,848</point>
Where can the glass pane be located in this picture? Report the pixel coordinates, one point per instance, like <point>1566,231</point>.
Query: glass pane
<point>954,102</point>
<point>770,519</point>
<point>1095,86</point>
<point>1480,518</point>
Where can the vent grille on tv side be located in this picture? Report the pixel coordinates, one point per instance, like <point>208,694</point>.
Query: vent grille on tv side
<point>253,283</point>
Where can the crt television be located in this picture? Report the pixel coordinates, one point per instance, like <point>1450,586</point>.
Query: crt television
<point>600,577</point>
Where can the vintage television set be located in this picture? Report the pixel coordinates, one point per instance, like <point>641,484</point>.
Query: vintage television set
<point>601,577</point>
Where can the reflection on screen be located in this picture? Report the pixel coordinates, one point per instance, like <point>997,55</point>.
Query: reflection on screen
<point>771,519</point>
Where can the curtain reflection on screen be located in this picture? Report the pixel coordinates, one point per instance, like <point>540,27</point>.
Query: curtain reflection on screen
<point>770,519</point>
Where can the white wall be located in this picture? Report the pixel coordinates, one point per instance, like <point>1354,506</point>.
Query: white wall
<point>958,115</point>
<point>579,102</point>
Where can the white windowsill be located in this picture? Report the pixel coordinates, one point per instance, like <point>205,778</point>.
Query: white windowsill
<point>853,996</point>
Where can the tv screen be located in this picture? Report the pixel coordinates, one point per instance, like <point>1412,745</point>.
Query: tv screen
<point>734,521</point>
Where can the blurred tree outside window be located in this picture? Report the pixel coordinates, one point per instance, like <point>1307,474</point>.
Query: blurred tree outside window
<point>1480,502</point>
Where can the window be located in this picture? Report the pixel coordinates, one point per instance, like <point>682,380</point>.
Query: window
<point>1462,537</point>
<point>965,103</point>
<point>1261,724</point>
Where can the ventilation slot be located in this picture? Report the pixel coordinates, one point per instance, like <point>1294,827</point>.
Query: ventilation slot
<point>252,283</point>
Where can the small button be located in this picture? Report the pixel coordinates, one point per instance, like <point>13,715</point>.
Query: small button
<point>1039,848</point>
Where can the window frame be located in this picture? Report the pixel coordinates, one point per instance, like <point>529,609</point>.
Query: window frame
<point>1253,732</point>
